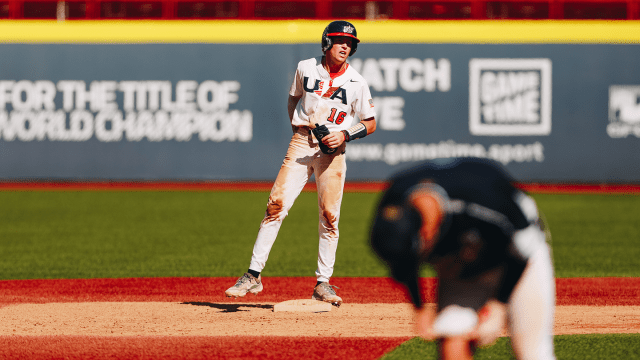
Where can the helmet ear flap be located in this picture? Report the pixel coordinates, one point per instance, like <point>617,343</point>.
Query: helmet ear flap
<point>327,43</point>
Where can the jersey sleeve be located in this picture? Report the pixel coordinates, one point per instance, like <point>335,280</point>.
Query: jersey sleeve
<point>296,87</point>
<point>363,106</point>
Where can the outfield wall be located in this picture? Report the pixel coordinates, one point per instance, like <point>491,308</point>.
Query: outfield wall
<point>555,101</point>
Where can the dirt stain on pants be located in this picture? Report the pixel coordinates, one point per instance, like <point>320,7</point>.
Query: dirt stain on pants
<point>302,160</point>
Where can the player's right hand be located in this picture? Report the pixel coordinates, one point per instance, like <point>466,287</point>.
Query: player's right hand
<point>334,139</point>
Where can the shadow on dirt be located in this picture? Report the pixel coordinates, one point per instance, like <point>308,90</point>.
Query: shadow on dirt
<point>227,308</point>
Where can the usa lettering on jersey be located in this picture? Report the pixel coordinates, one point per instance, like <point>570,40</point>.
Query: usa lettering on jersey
<point>336,93</point>
<point>345,96</point>
<point>317,86</point>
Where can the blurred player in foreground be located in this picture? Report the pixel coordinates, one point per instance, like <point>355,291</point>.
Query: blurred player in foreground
<point>485,240</point>
<point>330,94</point>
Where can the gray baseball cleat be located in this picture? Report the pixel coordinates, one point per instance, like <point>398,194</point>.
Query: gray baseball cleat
<point>246,283</point>
<point>324,292</point>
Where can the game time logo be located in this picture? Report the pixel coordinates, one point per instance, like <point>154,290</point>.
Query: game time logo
<point>624,111</point>
<point>510,97</point>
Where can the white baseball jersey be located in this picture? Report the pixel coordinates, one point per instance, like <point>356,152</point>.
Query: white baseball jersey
<point>332,102</point>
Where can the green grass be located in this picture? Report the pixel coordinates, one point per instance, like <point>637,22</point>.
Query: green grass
<point>567,347</point>
<point>134,234</point>
<point>593,235</point>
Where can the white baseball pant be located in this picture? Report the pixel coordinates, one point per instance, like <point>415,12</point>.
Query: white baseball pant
<point>303,159</point>
<point>531,309</point>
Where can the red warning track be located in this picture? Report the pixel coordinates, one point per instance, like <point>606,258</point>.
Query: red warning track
<point>193,347</point>
<point>361,186</point>
<point>570,291</point>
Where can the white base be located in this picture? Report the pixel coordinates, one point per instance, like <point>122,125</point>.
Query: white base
<point>306,305</point>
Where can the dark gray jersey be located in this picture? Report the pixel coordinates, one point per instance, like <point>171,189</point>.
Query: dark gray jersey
<point>483,211</point>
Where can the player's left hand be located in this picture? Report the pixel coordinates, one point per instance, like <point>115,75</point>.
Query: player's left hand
<point>334,139</point>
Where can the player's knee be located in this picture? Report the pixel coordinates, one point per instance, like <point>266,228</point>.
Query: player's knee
<point>275,210</point>
<point>330,220</point>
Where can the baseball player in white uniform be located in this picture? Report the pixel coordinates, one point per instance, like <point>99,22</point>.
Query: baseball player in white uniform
<point>330,94</point>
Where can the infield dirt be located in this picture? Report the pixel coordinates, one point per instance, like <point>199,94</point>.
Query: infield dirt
<point>240,319</point>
